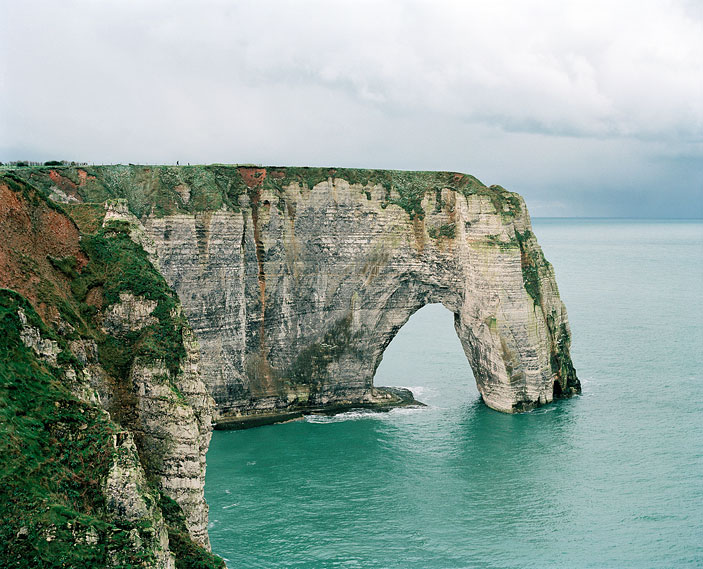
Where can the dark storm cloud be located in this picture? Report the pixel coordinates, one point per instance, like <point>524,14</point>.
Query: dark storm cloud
<point>585,107</point>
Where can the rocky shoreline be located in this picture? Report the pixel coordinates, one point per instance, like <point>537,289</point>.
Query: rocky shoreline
<point>402,398</point>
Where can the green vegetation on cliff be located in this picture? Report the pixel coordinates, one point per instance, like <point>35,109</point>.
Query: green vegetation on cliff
<point>531,260</point>
<point>118,265</point>
<point>444,230</point>
<point>56,449</point>
<point>188,554</point>
<point>562,365</point>
<point>165,190</point>
<point>54,452</point>
<point>310,365</point>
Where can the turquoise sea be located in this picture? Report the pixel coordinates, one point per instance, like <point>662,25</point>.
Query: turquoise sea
<point>610,479</point>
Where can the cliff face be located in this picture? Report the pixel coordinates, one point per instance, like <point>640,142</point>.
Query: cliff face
<point>295,280</point>
<point>105,418</point>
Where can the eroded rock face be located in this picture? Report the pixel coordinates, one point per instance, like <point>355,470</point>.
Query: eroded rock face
<point>174,426</point>
<point>129,315</point>
<point>295,298</point>
<point>114,373</point>
<point>296,279</point>
<point>128,500</point>
<point>44,348</point>
<point>169,411</point>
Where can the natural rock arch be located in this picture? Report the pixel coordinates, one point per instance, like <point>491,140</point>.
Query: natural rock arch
<point>295,279</point>
<point>426,352</point>
<point>295,298</point>
<point>294,288</point>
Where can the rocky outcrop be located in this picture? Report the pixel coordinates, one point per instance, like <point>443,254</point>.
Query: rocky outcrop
<point>169,410</point>
<point>132,529</point>
<point>172,422</point>
<point>174,428</point>
<point>296,280</point>
<point>129,315</point>
<point>117,211</point>
<point>43,348</point>
<point>129,500</point>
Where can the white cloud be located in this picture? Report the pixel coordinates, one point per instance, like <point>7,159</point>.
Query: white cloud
<point>534,91</point>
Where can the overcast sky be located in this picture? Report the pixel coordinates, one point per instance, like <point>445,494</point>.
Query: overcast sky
<point>585,107</point>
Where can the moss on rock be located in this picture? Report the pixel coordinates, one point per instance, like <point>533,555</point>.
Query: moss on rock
<point>165,190</point>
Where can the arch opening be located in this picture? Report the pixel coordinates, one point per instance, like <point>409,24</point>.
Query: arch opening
<point>425,355</point>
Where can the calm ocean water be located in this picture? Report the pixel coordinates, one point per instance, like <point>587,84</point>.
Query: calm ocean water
<point>610,479</point>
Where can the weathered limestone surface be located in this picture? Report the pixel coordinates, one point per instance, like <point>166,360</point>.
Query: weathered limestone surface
<point>296,280</point>
<point>201,257</point>
<point>128,499</point>
<point>169,413</point>
<point>129,315</point>
<point>295,298</point>
<point>108,329</point>
<point>174,426</point>
<point>44,348</point>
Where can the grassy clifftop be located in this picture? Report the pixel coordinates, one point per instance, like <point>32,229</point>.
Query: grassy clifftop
<point>165,190</point>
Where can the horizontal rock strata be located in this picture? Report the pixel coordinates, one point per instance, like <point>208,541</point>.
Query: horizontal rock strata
<point>296,280</point>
